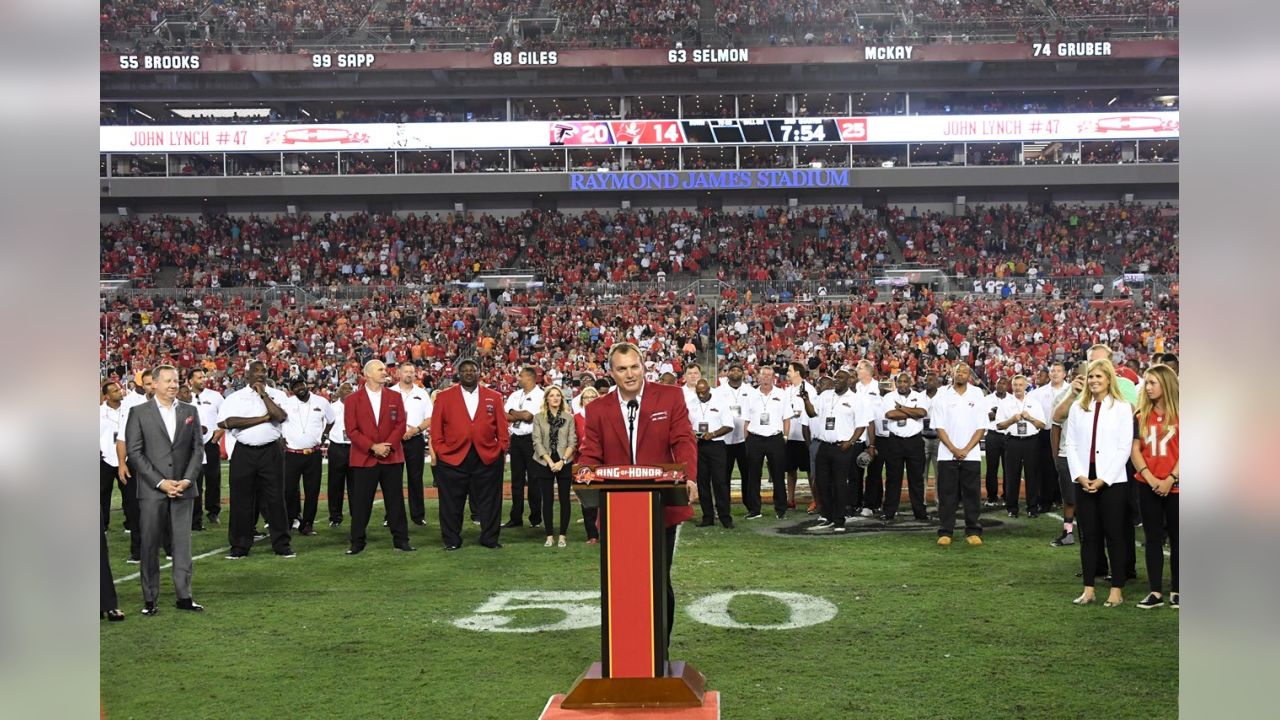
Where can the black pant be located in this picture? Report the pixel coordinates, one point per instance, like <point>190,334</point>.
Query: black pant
<point>736,454</point>
<point>831,477</point>
<point>471,478</point>
<point>855,478</point>
<point>107,599</point>
<point>415,454</point>
<point>1020,454</point>
<point>873,478</point>
<point>591,519</point>
<point>305,468</point>
<point>212,478</point>
<point>339,478</point>
<point>958,482</point>
<point>548,482</point>
<point>129,501</point>
<point>365,483</point>
<point>1159,518</point>
<point>1101,518</point>
<point>905,452</point>
<point>522,475</point>
<point>1050,489</point>
<point>996,443</point>
<point>108,477</point>
<point>713,486</point>
<point>774,449</point>
<point>256,484</point>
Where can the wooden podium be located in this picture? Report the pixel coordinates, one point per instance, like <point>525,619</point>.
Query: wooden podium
<point>634,671</point>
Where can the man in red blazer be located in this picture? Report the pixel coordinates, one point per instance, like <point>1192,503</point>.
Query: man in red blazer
<point>654,420</point>
<point>375,422</point>
<point>469,441</point>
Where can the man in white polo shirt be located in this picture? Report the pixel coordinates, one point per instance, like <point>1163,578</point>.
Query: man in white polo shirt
<point>144,391</point>
<point>310,418</point>
<point>711,424</point>
<point>737,396</point>
<point>253,416</point>
<point>834,420</point>
<point>417,409</point>
<point>960,415</point>
<point>904,410</point>
<point>768,420</point>
<point>521,406</point>
<point>1021,419</point>
<point>339,457</point>
<point>1047,396</point>
<point>207,402</point>
<point>994,441</point>
<point>798,389</point>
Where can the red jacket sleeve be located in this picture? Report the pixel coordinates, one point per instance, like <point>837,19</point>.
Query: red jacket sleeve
<point>360,442</point>
<point>589,452</point>
<point>439,443</point>
<point>504,433</point>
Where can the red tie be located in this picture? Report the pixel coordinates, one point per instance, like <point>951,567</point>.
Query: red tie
<point>1093,444</point>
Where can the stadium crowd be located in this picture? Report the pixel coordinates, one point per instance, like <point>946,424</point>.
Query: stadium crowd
<point>762,244</point>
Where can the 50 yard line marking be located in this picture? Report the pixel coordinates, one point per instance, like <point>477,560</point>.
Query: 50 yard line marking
<point>166,566</point>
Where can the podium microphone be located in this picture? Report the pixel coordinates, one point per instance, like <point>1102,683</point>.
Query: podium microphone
<point>633,408</point>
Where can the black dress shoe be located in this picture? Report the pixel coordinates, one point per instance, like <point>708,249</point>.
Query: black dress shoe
<point>419,522</point>
<point>406,548</point>
<point>197,528</point>
<point>113,615</point>
<point>189,605</point>
<point>512,524</point>
<point>495,546</point>
<point>451,548</point>
<point>149,609</point>
<point>213,520</point>
<point>728,524</point>
<point>707,523</point>
<point>355,550</point>
<point>307,530</point>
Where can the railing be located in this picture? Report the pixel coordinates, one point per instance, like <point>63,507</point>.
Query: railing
<point>703,290</point>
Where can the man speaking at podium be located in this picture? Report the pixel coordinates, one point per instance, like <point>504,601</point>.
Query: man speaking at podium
<point>640,423</point>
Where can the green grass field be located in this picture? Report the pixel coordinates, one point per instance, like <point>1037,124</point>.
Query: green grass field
<point>919,631</point>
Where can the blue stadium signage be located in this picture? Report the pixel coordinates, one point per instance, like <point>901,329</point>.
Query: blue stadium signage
<point>714,180</point>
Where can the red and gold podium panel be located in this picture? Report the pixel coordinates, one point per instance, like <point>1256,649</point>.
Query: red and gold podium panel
<point>634,670</point>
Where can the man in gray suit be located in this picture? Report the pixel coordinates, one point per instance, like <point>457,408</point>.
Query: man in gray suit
<point>164,441</point>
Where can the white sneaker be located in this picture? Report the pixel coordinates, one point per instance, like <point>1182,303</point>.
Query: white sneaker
<point>850,518</point>
<point>866,512</point>
<point>820,527</point>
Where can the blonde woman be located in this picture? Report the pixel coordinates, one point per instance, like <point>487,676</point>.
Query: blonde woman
<point>590,515</point>
<point>1155,461</point>
<point>555,440</point>
<point>1099,440</point>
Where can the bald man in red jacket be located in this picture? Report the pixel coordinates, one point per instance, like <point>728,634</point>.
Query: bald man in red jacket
<point>662,435</point>
<point>469,440</point>
<point>377,456</point>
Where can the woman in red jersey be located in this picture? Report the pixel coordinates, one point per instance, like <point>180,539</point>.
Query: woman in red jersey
<point>1155,458</point>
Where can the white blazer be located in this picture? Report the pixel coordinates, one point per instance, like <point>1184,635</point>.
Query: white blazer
<point>1115,440</point>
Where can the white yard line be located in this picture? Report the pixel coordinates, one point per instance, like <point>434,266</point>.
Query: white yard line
<point>168,565</point>
<point>211,553</point>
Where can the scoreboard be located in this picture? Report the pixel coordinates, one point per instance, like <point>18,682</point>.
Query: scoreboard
<point>899,129</point>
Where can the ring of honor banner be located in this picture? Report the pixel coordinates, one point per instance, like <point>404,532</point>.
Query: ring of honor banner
<point>633,586</point>
<point>634,670</point>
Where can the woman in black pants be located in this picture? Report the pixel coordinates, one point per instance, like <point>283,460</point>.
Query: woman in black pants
<point>555,438</point>
<point>1155,458</point>
<point>1099,439</point>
